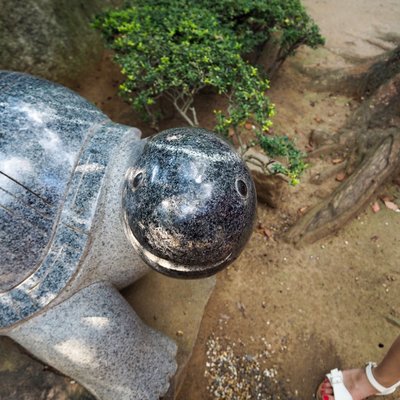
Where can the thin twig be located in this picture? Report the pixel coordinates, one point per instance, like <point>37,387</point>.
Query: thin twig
<point>237,134</point>
<point>196,121</point>
<point>183,115</point>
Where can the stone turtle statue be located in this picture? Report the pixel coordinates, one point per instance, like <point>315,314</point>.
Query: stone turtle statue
<point>85,207</point>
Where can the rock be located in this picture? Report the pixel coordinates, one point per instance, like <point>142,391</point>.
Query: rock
<point>269,188</point>
<point>78,195</point>
<point>322,193</point>
<point>51,38</point>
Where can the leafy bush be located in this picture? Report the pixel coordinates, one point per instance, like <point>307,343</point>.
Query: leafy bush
<point>249,106</point>
<point>173,52</point>
<point>255,20</point>
<point>281,146</point>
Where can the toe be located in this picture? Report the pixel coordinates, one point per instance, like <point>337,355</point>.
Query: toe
<point>326,388</point>
<point>325,391</point>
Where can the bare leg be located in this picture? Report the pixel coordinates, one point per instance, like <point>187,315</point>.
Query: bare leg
<point>96,338</point>
<point>387,373</point>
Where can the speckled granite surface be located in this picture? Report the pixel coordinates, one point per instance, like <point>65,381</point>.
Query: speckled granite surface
<point>76,192</point>
<point>54,151</point>
<point>189,202</point>
<point>39,146</point>
<point>96,338</point>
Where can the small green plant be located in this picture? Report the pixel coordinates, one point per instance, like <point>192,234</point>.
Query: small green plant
<point>282,146</point>
<point>249,105</point>
<point>173,52</point>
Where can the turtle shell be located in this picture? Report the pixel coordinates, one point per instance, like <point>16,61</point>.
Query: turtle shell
<point>54,149</point>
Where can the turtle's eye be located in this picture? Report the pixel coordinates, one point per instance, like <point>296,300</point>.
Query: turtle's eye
<point>137,180</point>
<point>241,187</point>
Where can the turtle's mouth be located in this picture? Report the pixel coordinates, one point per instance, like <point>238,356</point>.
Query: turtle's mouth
<point>171,243</point>
<point>170,268</point>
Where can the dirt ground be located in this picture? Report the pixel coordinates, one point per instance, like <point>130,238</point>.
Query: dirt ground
<point>280,317</point>
<point>300,312</point>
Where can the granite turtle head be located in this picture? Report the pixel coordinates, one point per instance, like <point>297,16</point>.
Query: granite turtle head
<point>189,203</point>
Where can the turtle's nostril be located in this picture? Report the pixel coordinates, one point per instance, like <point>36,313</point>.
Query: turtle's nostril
<point>241,187</point>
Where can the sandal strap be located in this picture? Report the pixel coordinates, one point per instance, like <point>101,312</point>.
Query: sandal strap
<point>381,389</point>
<point>339,390</point>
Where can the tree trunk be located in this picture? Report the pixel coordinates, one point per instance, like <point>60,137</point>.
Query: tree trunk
<point>351,196</point>
<point>373,134</point>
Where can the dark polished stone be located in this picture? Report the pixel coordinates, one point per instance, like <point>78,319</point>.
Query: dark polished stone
<point>189,202</point>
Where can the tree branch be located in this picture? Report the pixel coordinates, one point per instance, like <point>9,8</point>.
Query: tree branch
<point>183,114</point>
<point>196,121</point>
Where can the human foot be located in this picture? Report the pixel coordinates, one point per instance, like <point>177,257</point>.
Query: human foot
<point>354,384</point>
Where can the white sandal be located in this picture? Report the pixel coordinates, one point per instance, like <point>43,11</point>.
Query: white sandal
<point>340,391</point>
<point>382,390</point>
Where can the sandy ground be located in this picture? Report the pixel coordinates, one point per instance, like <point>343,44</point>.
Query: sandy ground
<point>358,28</point>
<point>280,318</point>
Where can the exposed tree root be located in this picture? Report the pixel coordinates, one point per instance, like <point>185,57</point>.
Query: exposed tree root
<point>351,196</point>
<point>373,135</point>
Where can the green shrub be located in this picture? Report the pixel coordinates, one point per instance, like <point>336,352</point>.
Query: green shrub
<point>248,105</point>
<point>255,20</point>
<point>173,52</point>
<point>282,146</point>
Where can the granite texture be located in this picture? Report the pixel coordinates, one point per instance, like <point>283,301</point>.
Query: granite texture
<point>189,203</point>
<point>54,151</point>
<point>110,257</point>
<point>96,338</point>
<point>40,144</point>
<point>179,315</point>
<point>85,207</point>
